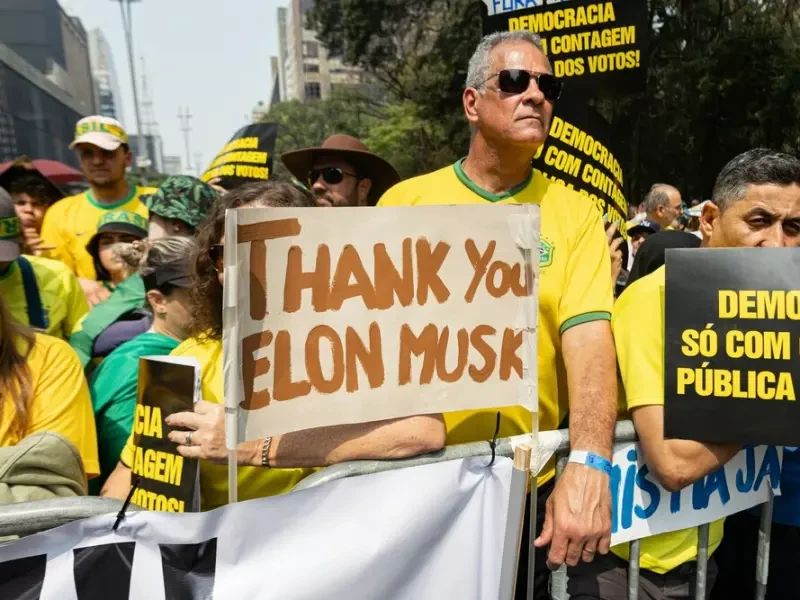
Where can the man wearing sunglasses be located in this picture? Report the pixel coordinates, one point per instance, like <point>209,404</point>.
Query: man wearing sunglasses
<point>341,172</point>
<point>508,101</point>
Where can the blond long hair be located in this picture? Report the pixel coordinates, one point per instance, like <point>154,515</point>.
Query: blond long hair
<point>16,385</point>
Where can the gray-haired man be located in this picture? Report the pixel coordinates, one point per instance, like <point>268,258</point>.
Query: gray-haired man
<point>508,102</point>
<point>663,205</point>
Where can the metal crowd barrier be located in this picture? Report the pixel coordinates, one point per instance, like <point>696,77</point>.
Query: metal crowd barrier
<point>32,517</point>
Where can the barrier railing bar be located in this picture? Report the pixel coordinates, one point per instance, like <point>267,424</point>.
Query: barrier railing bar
<point>701,583</point>
<point>633,570</point>
<point>764,538</point>
<point>25,518</point>
<point>558,588</point>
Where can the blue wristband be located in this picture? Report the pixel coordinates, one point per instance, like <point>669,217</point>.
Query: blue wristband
<point>591,460</point>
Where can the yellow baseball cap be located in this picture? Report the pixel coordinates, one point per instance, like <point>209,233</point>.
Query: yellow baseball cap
<point>103,132</point>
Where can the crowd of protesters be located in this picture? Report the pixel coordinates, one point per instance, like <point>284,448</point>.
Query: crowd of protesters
<point>92,282</point>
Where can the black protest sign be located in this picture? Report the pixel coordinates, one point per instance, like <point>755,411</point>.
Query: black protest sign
<point>732,356</point>
<point>247,157</point>
<point>578,154</point>
<point>591,43</point>
<point>168,481</point>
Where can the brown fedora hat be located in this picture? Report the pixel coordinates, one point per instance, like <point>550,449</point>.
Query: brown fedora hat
<point>382,174</point>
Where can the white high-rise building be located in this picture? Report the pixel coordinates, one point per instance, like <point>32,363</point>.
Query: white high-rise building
<point>107,92</point>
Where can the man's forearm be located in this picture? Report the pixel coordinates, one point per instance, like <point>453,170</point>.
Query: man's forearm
<point>323,446</point>
<point>590,361</point>
<point>684,462</point>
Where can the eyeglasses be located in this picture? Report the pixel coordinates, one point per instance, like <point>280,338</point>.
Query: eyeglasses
<point>217,255</point>
<point>330,175</point>
<point>517,81</point>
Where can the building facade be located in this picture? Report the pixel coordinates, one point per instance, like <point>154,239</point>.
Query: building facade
<point>172,165</point>
<point>45,80</point>
<point>155,151</point>
<point>106,85</point>
<point>307,71</point>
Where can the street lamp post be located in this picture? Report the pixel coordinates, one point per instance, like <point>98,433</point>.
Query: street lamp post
<point>125,10</point>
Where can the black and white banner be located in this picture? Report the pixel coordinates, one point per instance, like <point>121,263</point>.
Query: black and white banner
<point>433,531</point>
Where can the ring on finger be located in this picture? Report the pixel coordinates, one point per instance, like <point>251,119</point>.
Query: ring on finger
<point>188,441</point>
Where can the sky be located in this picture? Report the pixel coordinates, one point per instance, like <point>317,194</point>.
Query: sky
<point>210,55</point>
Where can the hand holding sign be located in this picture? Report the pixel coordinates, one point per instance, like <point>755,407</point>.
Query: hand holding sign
<point>206,425</point>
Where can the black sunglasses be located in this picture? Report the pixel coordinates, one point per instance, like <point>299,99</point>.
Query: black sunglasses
<point>330,175</point>
<point>217,255</point>
<point>517,81</point>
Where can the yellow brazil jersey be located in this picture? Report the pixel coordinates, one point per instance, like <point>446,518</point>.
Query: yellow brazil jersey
<point>638,325</point>
<point>70,223</point>
<point>60,401</point>
<point>254,482</point>
<point>59,291</point>
<point>574,286</point>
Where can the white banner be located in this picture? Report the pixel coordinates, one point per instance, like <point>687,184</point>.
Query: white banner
<point>642,507</point>
<point>351,316</point>
<point>433,531</point>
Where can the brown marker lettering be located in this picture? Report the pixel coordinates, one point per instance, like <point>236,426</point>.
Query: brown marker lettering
<point>485,350</point>
<point>314,364</point>
<point>428,265</point>
<point>371,359</point>
<point>508,354</point>
<point>252,368</point>
<point>268,230</point>
<point>388,282</point>
<point>441,356</point>
<point>258,280</point>
<point>298,280</point>
<point>283,387</point>
<point>427,344</point>
<point>349,266</point>
<point>480,264</point>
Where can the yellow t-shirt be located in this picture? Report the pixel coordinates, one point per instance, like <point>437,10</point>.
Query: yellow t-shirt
<point>60,401</point>
<point>254,482</point>
<point>574,286</point>
<point>70,223</point>
<point>638,325</point>
<point>59,290</point>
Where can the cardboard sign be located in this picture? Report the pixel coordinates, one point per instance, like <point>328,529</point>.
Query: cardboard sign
<point>732,364</point>
<point>247,157</point>
<point>579,153</point>
<point>411,311</point>
<point>169,482</point>
<point>593,44</point>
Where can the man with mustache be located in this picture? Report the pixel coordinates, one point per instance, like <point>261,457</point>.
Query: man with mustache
<point>341,172</point>
<point>102,147</point>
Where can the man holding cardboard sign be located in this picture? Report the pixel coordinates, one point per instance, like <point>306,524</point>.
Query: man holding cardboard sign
<point>755,203</point>
<point>509,103</point>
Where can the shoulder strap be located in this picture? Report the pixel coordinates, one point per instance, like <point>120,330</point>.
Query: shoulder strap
<point>37,317</point>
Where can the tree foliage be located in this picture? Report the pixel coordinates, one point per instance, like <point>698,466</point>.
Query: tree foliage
<point>724,76</point>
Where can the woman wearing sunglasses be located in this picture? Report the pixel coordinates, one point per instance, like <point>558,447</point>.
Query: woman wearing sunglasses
<point>201,433</point>
<point>509,100</point>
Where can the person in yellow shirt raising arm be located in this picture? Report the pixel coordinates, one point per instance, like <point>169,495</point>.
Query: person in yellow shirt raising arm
<point>755,203</point>
<point>42,388</point>
<point>102,147</point>
<point>508,101</point>
<point>38,292</point>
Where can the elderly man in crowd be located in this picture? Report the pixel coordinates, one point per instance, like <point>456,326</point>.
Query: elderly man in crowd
<point>341,172</point>
<point>508,102</point>
<point>663,205</point>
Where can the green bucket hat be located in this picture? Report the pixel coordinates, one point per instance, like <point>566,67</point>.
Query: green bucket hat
<point>184,198</point>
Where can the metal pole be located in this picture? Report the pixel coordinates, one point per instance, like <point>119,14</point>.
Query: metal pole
<point>127,24</point>
<point>515,522</point>
<point>764,537</point>
<point>701,582</point>
<point>633,570</point>
<point>558,580</point>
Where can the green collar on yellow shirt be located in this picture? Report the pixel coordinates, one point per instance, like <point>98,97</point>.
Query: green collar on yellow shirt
<point>7,273</point>
<point>462,177</point>
<point>122,202</point>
